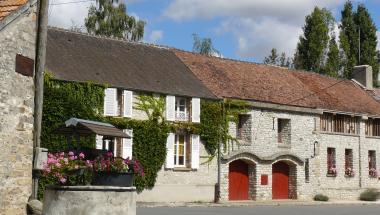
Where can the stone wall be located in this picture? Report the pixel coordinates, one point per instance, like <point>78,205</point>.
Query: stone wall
<point>16,114</point>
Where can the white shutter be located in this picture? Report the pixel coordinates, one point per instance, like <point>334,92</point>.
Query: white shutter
<point>127,144</point>
<point>195,110</point>
<point>128,103</point>
<point>99,142</point>
<point>195,151</point>
<point>107,142</point>
<point>114,148</point>
<point>170,108</point>
<point>110,102</point>
<point>170,151</point>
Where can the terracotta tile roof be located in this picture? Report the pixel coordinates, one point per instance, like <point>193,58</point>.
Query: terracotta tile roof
<point>244,80</point>
<point>80,57</point>
<point>8,6</point>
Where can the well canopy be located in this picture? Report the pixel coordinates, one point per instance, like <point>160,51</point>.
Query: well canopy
<point>87,127</point>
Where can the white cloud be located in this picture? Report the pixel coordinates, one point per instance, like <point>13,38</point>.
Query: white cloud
<point>257,25</point>
<point>155,36</point>
<point>65,15</point>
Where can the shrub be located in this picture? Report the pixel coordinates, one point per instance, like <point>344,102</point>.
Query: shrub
<point>321,197</point>
<point>369,195</point>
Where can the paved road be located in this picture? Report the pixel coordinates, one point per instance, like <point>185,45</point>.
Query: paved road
<point>265,210</point>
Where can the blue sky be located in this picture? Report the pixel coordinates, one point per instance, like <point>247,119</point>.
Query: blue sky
<point>240,29</point>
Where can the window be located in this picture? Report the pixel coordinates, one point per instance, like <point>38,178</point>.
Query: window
<point>348,164</point>
<point>181,109</point>
<point>339,123</point>
<point>372,163</point>
<point>307,170</point>
<point>244,128</point>
<point>283,131</point>
<point>372,127</point>
<point>180,150</point>
<point>331,164</point>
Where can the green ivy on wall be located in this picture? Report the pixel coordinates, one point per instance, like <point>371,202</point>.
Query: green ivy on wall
<point>63,100</point>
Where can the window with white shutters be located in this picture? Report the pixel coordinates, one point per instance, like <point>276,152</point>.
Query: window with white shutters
<point>195,110</point>
<point>128,144</point>
<point>110,102</point>
<point>99,142</point>
<point>170,108</point>
<point>128,103</point>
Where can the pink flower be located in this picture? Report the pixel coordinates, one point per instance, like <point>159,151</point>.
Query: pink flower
<point>109,154</point>
<point>62,180</point>
<point>71,153</point>
<point>81,155</point>
<point>58,165</point>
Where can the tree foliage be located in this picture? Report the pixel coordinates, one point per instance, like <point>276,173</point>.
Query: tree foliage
<point>332,66</point>
<point>313,44</point>
<point>109,18</point>
<point>204,46</point>
<point>358,40</point>
<point>279,60</point>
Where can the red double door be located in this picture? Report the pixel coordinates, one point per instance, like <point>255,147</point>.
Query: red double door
<point>280,181</point>
<point>238,180</point>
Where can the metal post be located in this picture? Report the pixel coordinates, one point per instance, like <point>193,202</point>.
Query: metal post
<point>43,6</point>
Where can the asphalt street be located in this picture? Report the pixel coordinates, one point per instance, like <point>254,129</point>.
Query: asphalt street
<point>265,210</point>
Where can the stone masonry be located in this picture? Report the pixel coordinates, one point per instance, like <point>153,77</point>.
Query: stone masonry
<point>16,113</point>
<point>307,142</point>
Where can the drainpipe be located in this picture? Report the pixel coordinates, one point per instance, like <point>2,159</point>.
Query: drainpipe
<point>42,9</point>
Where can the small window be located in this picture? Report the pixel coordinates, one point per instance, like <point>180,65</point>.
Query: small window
<point>307,170</point>
<point>181,109</point>
<point>243,127</point>
<point>283,131</point>
<point>331,163</point>
<point>372,163</point>
<point>348,163</point>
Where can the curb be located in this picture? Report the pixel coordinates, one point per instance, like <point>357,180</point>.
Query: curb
<point>250,204</point>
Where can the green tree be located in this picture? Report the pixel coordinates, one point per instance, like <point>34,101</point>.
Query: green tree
<point>272,58</point>
<point>204,46</point>
<point>368,40</point>
<point>332,66</point>
<point>279,60</point>
<point>348,38</point>
<point>109,18</point>
<point>311,48</point>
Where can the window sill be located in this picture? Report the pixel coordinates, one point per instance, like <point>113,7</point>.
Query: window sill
<point>284,145</point>
<point>331,175</point>
<point>338,133</point>
<point>372,137</point>
<point>182,169</point>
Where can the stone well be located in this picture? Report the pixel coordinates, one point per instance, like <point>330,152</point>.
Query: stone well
<point>62,200</point>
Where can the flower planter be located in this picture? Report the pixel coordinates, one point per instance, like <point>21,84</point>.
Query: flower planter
<point>112,179</point>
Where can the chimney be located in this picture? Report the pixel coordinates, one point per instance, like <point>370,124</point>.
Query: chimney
<point>363,75</point>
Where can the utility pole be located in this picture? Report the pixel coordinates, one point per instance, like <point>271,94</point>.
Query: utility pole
<point>43,7</point>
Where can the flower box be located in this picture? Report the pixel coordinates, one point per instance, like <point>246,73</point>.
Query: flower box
<point>112,179</point>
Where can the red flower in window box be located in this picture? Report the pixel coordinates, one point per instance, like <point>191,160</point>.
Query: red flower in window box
<point>332,171</point>
<point>349,172</point>
<point>372,173</point>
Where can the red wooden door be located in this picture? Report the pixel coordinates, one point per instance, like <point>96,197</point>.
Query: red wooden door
<point>280,181</point>
<point>238,180</point>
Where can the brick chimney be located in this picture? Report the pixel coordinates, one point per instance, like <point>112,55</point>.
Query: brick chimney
<point>363,75</point>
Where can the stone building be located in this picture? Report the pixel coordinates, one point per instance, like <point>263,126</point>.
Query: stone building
<point>17,50</point>
<point>304,133</point>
